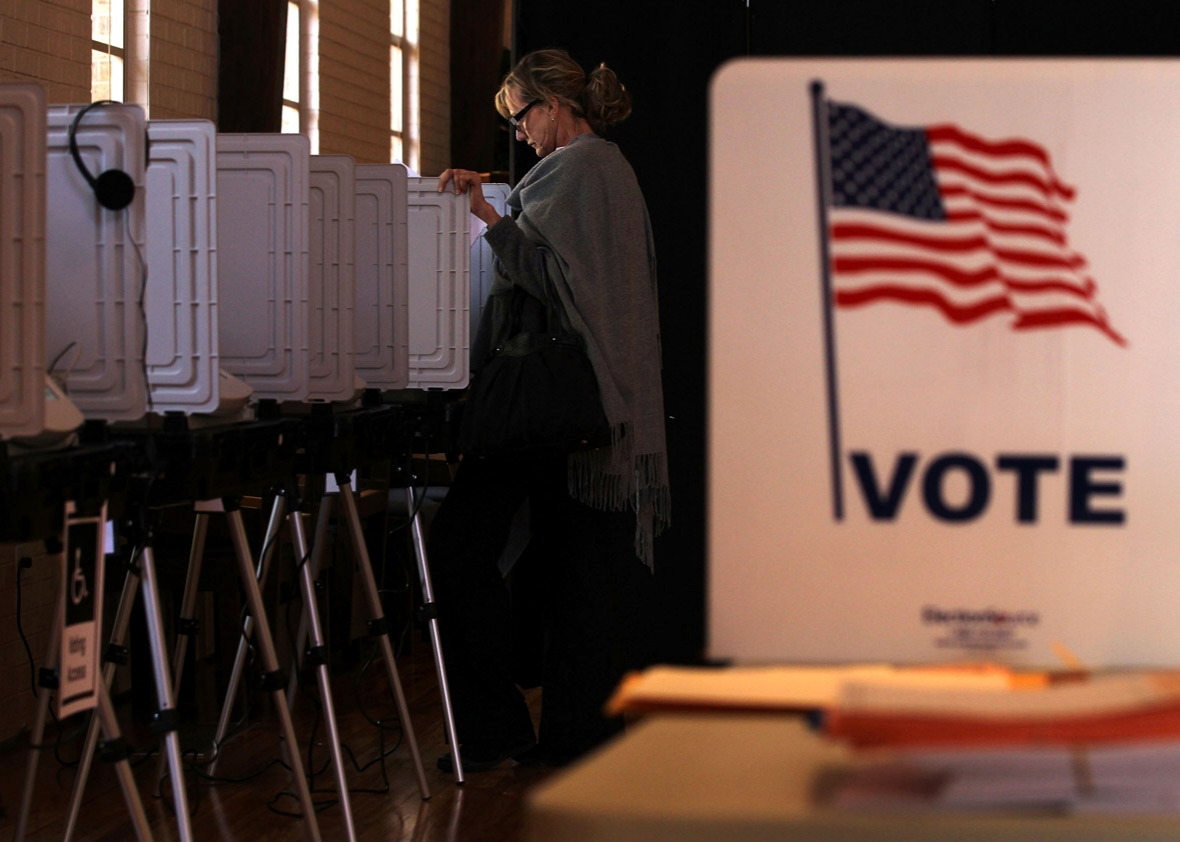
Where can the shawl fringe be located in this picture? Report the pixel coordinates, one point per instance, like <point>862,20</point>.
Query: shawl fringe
<point>614,479</point>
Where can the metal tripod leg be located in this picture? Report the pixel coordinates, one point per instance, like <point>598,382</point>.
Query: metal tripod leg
<point>118,641</point>
<point>166,717</point>
<point>432,624</point>
<point>186,624</point>
<point>272,677</point>
<point>105,713</point>
<point>26,803</point>
<point>235,676</point>
<point>381,627</point>
<point>317,655</point>
<point>313,565</point>
<point>104,717</point>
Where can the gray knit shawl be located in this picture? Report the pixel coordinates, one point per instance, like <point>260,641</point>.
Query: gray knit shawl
<point>581,229</point>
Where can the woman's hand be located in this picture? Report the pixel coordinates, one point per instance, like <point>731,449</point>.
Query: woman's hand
<point>466,181</point>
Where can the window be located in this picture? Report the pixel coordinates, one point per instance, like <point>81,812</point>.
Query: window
<point>403,82</point>
<point>301,72</point>
<point>291,71</point>
<point>107,50</point>
<point>301,76</point>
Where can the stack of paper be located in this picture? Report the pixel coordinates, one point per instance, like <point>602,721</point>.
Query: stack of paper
<point>1104,708</point>
<point>1103,743</point>
<point>791,688</point>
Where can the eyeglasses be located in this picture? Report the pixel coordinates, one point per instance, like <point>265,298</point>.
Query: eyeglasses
<point>515,119</point>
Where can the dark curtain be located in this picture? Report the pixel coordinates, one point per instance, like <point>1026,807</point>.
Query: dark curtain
<point>871,28</point>
<point>477,57</point>
<point>1066,28</point>
<point>252,38</point>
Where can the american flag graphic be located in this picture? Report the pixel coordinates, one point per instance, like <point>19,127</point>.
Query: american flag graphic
<point>939,217</point>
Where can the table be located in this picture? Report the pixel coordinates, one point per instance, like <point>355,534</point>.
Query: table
<point>748,778</point>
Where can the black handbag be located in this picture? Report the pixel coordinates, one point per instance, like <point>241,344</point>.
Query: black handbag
<point>536,391</point>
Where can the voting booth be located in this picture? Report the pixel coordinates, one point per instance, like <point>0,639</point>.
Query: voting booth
<point>95,268</point>
<point>382,316</point>
<point>180,299</point>
<point>439,225</point>
<point>332,281</point>
<point>482,257</point>
<point>22,259</point>
<point>942,369</point>
<point>263,192</point>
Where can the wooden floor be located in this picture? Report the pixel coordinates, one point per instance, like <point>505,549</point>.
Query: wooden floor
<point>488,807</point>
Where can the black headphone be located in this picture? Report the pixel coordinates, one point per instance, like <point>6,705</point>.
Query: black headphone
<point>113,188</point>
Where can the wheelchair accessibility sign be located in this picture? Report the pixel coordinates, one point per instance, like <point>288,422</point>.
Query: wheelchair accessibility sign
<point>81,594</point>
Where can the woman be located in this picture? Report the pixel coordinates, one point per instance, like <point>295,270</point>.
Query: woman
<point>578,230</point>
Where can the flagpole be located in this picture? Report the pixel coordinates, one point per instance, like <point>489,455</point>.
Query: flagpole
<point>823,188</point>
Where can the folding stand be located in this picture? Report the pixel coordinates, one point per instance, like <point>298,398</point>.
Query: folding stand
<point>431,417</point>
<point>379,625</point>
<point>115,655</point>
<point>187,466</point>
<point>335,439</point>
<point>316,555</point>
<point>380,430</point>
<point>203,510</point>
<point>272,676</point>
<point>430,612</point>
<point>186,624</point>
<point>114,741</point>
<point>165,720</point>
<point>316,655</point>
<point>45,482</point>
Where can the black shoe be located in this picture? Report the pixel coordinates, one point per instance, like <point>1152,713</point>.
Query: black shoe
<point>542,755</point>
<point>482,755</point>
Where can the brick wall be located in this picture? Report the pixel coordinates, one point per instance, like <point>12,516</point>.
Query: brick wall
<point>183,67</point>
<point>354,80</point>
<point>435,85</point>
<point>48,41</point>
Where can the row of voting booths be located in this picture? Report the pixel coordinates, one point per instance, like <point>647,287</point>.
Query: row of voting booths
<point>186,317</point>
<point>242,257</point>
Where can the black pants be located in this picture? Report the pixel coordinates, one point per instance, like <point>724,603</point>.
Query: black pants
<point>594,611</point>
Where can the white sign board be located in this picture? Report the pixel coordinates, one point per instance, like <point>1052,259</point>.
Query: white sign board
<point>79,664</point>
<point>943,376</point>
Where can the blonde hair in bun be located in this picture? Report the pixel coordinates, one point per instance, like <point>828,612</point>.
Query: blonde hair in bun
<point>552,74</point>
